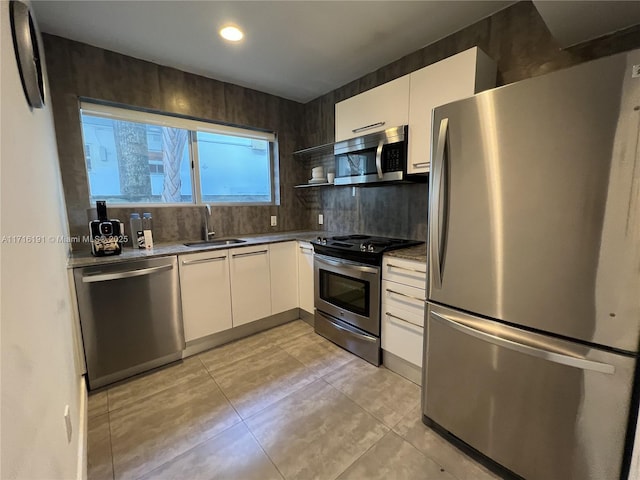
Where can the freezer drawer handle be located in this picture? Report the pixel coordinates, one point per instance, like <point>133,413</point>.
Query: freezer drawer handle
<point>402,319</point>
<point>128,274</point>
<point>405,295</point>
<point>568,360</point>
<point>405,268</point>
<point>204,260</point>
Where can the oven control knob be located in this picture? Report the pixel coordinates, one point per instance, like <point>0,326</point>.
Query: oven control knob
<point>363,247</point>
<point>370,248</point>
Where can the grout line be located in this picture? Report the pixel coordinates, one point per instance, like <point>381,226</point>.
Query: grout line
<point>113,463</point>
<point>263,449</point>
<point>223,394</point>
<point>363,453</point>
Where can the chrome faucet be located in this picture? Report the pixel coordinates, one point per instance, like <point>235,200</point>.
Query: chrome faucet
<point>206,234</point>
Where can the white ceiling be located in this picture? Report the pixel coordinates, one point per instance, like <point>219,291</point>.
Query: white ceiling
<point>294,49</point>
<point>299,49</point>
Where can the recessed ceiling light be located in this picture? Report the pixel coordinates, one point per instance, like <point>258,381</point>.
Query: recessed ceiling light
<point>231,33</point>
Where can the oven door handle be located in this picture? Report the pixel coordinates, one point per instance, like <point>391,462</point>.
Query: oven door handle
<point>343,264</point>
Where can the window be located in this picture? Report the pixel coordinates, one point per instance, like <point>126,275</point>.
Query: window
<point>159,159</point>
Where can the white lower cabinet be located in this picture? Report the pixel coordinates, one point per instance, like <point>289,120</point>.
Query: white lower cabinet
<point>206,293</point>
<point>305,277</point>
<point>222,289</point>
<point>283,263</point>
<point>250,284</point>
<point>403,305</point>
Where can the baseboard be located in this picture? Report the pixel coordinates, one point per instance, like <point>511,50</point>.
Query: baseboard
<point>403,368</point>
<point>83,427</point>
<point>211,341</point>
<point>307,317</point>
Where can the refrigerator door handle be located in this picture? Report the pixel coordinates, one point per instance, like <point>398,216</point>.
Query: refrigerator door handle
<point>436,213</point>
<point>551,356</point>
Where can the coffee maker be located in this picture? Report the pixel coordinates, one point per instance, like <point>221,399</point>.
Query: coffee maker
<point>107,235</point>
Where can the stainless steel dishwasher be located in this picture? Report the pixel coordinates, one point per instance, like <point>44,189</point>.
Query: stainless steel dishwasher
<point>130,316</point>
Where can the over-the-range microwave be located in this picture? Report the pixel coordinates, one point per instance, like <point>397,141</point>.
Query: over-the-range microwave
<point>373,158</point>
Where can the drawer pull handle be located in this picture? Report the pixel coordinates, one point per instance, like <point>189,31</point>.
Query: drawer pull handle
<point>402,320</point>
<point>421,164</point>
<point>405,295</point>
<point>306,249</point>
<point>367,127</point>
<point>259,252</point>
<point>390,265</point>
<point>204,260</point>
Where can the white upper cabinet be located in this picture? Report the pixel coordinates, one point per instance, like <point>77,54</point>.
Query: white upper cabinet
<point>451,79</point>
<point>284,276</point>
<point>377,109</point>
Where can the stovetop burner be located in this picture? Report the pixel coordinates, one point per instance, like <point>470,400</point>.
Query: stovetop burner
<point>357,247</point>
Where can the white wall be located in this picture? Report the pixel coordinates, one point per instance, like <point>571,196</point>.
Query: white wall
<point>39,375</point>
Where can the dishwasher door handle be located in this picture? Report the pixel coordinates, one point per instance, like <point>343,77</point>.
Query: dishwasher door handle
<point>127,274</point>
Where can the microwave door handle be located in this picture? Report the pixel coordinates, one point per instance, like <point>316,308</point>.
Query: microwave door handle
<point>379,159</point>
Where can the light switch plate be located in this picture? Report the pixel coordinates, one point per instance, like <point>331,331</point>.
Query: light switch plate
<point>274,221</point>
<point>320,219</point>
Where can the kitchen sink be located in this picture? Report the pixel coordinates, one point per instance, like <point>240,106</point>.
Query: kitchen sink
<point>214,243</point>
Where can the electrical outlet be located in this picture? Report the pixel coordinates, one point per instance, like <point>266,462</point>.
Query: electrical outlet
<point>274,221</point>
<point>320,219</point>
<point>67,422</point>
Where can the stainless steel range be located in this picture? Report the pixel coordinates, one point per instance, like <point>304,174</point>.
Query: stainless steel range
<point>347,271</point>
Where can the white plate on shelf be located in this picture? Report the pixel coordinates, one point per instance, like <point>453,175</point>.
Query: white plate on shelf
<point>317,180</point>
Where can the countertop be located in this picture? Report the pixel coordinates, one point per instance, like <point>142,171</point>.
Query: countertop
<point>417,253</point>
<point>85,259</point>
<point>128,254</point>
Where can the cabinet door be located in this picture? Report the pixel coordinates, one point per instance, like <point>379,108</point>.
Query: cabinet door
<point>451,79</point>
<point>377,109</point>
<point>284,276</point>
<point>206,293</point>
<point>305,276</point>
<point>250,284</point>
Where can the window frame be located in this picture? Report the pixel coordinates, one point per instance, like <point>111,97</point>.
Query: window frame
<point>193,126</point>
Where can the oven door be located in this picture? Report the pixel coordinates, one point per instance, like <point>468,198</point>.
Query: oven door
<point>349,291</point>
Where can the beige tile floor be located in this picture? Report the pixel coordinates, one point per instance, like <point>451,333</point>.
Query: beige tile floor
<point>282,404</point>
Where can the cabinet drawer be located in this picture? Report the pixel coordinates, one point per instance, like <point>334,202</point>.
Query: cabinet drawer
<point>402,298</point>
<point>408,272</point>
<point>400,337</point>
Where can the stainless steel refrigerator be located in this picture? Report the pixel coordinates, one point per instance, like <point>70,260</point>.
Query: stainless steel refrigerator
<point>533,316</point>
